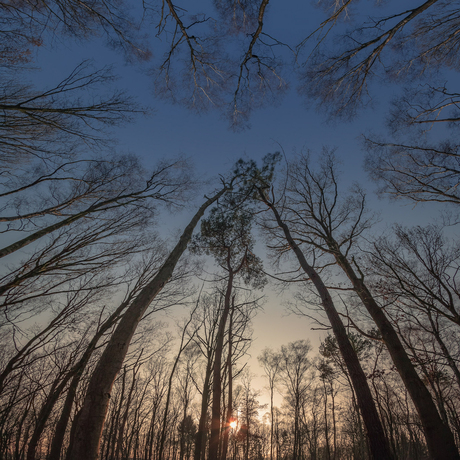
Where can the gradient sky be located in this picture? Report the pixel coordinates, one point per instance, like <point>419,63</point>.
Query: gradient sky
<point>294,125</point>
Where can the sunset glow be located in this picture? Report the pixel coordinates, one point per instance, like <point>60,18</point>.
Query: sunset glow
<point>230,230</point>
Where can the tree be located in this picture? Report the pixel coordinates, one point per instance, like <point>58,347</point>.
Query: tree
<point>249,407</point>
<point>402,44</point>
<point>414,272</point>
<point>72,264</point>
<point>418,268</point>
<point>260,179</point>
<point>91,418</point>
<point>58,123</point>
<point>187,430</point>
<point>24,25</point>
<point>205,340</point>
<point>333,365</point>
<point>182,347</point>
<point>226,235</point>
<point>85,189</point>
<point>270,362</point>
<point>74,336</point>
<point>201,69</point>
<point>294,367</point>
<point>319,218</point>
<point>418,171</point>
<point>159,371</point>
<point>414,48</point>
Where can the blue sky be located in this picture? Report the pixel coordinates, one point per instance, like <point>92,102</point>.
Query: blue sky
<point>293,125</point>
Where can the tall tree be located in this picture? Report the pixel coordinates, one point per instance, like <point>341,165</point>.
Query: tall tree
<point>90,420</point>
<point>403,43</point>
<point>322,219</point>
<point>271,361</point>
<point>259,179</point>
<point>205,339</point>
<point>226,235</point>
<point>294,367</point>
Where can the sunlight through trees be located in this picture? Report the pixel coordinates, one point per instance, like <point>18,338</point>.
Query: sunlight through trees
<point>132,282</point>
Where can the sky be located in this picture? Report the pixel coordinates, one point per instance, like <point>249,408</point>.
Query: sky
<point>292,125</point>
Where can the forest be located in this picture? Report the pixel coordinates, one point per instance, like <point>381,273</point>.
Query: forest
<point>130,283</point>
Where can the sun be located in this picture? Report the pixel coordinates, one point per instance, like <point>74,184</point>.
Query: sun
<point>233,424</point>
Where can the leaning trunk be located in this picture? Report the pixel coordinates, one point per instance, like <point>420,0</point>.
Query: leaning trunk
<point>378,443</point>
<point>92,415</point>
<point>61,426</point>
<point>439,438</point>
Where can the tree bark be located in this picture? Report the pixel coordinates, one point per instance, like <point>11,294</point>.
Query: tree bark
<point>378,443</point>
<point>216,382</point>
<point>439,438</point>
<point>92,415</point>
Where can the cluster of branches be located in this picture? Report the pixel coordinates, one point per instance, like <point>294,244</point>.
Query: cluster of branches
<point>322,231</point>
<point>76,228</point>
<point>416,49</point>
<point>151,412</point>
<point>198,68</point>
<point>78,223</point>
<point>225,58</point>
<point>337,62</point>
<point>319,416</point>
<point>400,293</point>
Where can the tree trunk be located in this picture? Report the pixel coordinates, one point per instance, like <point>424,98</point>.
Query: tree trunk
<point>121,429</point>
<point>377,440</point>
<point>216,382</point>
<point>439,438</point>
<point>334,423</point>
<point>58,439</point>
<point>170,382</point>
<point>271,420</point>
<point>201,432</point>
<point>92,415</point>
<point>447,355</point>
<point>326,426</point>
<point>229,417</point>
<point>45,411</point>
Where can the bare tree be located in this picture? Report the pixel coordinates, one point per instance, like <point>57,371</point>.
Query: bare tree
<point>86,188</point>
<point>418,171</point>
<point>90,421</point>
<point>260,178</point>
<point>210,309</point>
<point>201,69</point>
<point>59,121</point>
<point>320,218</point>
<point>184,343</point>
<point>334,367</point>
<point>409,42</point>
<point>27,24</point>
<point>226,235</point>
<point>418,268</point>
<point>416,48</point>
<point>271,363</point>
<point>294,369</point>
